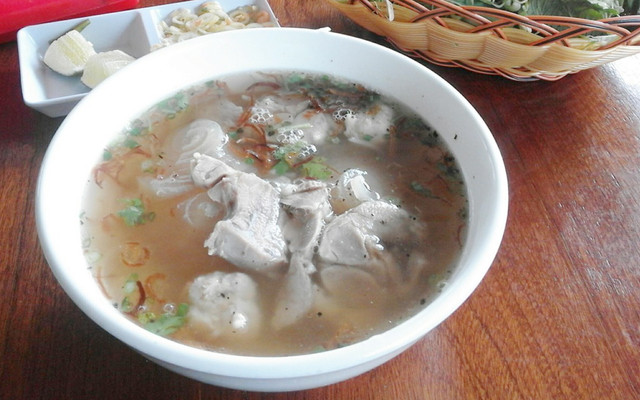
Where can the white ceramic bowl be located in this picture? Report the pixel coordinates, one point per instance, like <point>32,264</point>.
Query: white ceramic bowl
<point>107,109</point>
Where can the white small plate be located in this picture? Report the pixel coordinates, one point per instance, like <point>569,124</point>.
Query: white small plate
<point>133,31</point>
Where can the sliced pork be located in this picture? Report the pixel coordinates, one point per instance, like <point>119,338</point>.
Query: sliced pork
<point>296,295</point>
<point>371,244</point>
<point>249,236</point>
<point>306,206</point>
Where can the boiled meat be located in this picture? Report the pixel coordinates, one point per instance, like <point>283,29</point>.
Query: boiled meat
<point>296,295</point>
<point>306,206</point>
<point>370,245</point>
<point>249,236</point>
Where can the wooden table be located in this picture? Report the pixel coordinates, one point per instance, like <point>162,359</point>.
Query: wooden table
<point>556,317</point>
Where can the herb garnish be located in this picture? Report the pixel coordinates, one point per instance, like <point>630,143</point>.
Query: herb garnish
<point>134,213</point>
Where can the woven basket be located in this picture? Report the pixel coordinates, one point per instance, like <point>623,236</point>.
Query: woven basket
<point>497,42</point>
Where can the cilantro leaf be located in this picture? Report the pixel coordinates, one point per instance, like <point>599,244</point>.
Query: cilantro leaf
<point>134,213</point>
<point>281,167</point>
<point>317,169</point>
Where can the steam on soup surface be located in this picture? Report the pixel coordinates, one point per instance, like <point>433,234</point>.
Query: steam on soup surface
<point>274,214</point>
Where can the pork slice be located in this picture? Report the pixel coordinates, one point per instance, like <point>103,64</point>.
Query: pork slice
<point>305,195</point>
<point>352,287</point>
<point>368,243</point>
<point>207,171</point>
<point>249,236</point>
<point>351,237</point>
<point>306,206</point>
<point>296,295</point>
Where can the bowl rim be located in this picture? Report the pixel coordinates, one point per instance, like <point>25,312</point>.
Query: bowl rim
<point>269,367</point>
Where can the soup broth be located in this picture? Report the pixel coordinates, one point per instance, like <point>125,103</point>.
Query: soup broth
<point>274,214</point>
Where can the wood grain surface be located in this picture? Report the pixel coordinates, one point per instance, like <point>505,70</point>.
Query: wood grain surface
<point>557,316</point>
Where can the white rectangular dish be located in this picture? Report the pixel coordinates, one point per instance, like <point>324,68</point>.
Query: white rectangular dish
<point>134,31</point>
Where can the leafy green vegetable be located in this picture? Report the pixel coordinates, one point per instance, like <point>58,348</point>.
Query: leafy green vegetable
<point>589,9</point>
<point>317,169</point>
<point>281,167</point>
<point>509,5</point>
<point>134,213</point>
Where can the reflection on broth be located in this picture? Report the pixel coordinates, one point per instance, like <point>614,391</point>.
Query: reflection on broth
<point>274,214</point>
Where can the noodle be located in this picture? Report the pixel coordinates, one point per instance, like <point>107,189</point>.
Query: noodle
<point>183,24</point>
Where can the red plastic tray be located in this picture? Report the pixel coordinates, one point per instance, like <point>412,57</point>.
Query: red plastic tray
<point>17,14</point>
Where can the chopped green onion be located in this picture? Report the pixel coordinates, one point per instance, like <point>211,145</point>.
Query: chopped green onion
<point>130,143</point>
<point>281,168</point>
<point>167,323</point>
<point>134,213</point>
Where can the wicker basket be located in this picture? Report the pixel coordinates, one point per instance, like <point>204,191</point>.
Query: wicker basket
<point>496,42</point>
